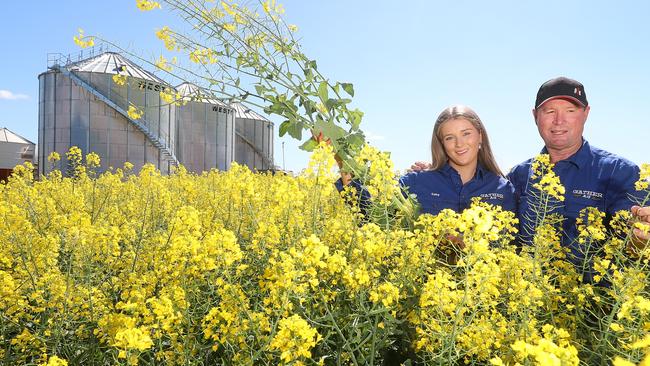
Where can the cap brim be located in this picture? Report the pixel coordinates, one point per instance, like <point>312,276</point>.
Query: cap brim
<point>566,97</point>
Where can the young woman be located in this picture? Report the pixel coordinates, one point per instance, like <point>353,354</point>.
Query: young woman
<point>462,166</point>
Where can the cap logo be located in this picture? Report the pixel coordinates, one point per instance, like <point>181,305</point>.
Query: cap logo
<point>577,91</point>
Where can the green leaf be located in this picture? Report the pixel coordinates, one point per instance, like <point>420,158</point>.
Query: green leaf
<point>355,119</point>
<point>322,91</point>
<point>355,141</point>
<point>284,127</point>
<point>295,130</point>
<point>309,145</point>
<point>329,129</point>
<point>349,88</point>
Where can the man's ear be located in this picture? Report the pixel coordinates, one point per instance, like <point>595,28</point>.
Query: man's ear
<point>535,115</point>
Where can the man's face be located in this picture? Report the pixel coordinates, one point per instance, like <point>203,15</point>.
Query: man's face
<point>560,123</point>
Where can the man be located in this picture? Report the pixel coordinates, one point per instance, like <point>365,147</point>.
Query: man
<point>591,177</point>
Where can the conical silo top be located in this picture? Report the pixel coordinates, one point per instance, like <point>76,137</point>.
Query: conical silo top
<point>242,111</point>
<point>192,92</point>
<point>114,63</point>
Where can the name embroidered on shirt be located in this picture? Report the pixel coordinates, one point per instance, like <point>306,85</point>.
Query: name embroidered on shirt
<point>492,196</point>
<point>596,196</point>
<point>435,194</point>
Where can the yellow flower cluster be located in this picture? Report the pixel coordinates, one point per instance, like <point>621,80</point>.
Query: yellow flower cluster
<point>644,178</point>
<point>119,79</point>
<point>590,225</point>
<point>203,56</point>
<point>147,5</point>
<point>134,113</point>
<point>240,268</point>
<point>168,96</point>
<point>553,349</point>
<point>294,339</point>
<point>83,41</point>
<point>382,179</point>
<point>549,182</point>
<point>165,35</point>
<point>163,64</point>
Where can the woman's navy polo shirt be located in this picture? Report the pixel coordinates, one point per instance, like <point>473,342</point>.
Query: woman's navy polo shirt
<point>436,190</point>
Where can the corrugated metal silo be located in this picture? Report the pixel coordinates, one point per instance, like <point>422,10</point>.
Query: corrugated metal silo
<point>254,138</point>
<point>206,131</point>
<point>80,105</point>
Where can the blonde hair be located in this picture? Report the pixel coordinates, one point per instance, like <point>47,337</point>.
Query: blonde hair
<point>438,155</point>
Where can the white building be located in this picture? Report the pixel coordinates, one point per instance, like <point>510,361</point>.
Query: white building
<point>14,150</point>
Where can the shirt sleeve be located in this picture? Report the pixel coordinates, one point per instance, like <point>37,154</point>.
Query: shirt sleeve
<point>622,194</point>
<point>509,198</point>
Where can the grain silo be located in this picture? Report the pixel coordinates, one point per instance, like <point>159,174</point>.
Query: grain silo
<point>205,131</point>
<point>254,139</point>
<point>81,105</point>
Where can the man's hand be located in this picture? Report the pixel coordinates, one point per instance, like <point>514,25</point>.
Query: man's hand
<point>346,178</point>
<point>642,214</point>
<point>419,166</point>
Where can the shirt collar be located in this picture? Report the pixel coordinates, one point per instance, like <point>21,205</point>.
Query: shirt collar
<point>448,170</point>
<point>580,158</point>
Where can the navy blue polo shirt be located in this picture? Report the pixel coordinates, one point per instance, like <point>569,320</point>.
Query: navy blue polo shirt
<point>591,177</point>
<point>440,189</point>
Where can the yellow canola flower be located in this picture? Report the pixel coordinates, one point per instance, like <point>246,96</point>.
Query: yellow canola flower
<point>203,56</point>
<point>83,41</point>
<point>294,339</point>
<point>119,79</point>
<point>644,178</point>
<point>55,361</point>
<point>618,361</point>
<point>590,224</point>
<point>163,64</point>
<point>135,113</point>
<point>549,181</point>
<point>165,35</point>
<point>386,293</point>
<point>93,160</point>
<point>146,5</point>
<point>270,6</point>
<point>168,96</point>
<point>132,339</point>
<point>53,157</point>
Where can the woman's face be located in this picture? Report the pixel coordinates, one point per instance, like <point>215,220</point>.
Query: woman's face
<point>461,141</point>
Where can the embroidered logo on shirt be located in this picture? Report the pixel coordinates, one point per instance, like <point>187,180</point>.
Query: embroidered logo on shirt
<point>596,196</point>
<point>492,196</point>
<point>434,194</point>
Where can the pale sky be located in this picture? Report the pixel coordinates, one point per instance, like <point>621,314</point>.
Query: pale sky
<point>407,61</point>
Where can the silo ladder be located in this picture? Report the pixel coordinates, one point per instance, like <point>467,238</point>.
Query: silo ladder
<point>156,141</point>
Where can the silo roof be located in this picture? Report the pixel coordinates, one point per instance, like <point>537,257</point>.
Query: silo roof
<point>192,92</point>
<point>114,63</point>
<point>242,111</point>
<point>8,136</point>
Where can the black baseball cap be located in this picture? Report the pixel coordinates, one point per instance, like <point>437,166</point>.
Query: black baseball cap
<point>561,88</point>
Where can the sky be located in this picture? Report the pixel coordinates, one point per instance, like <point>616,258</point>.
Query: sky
<point>407,61</point>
